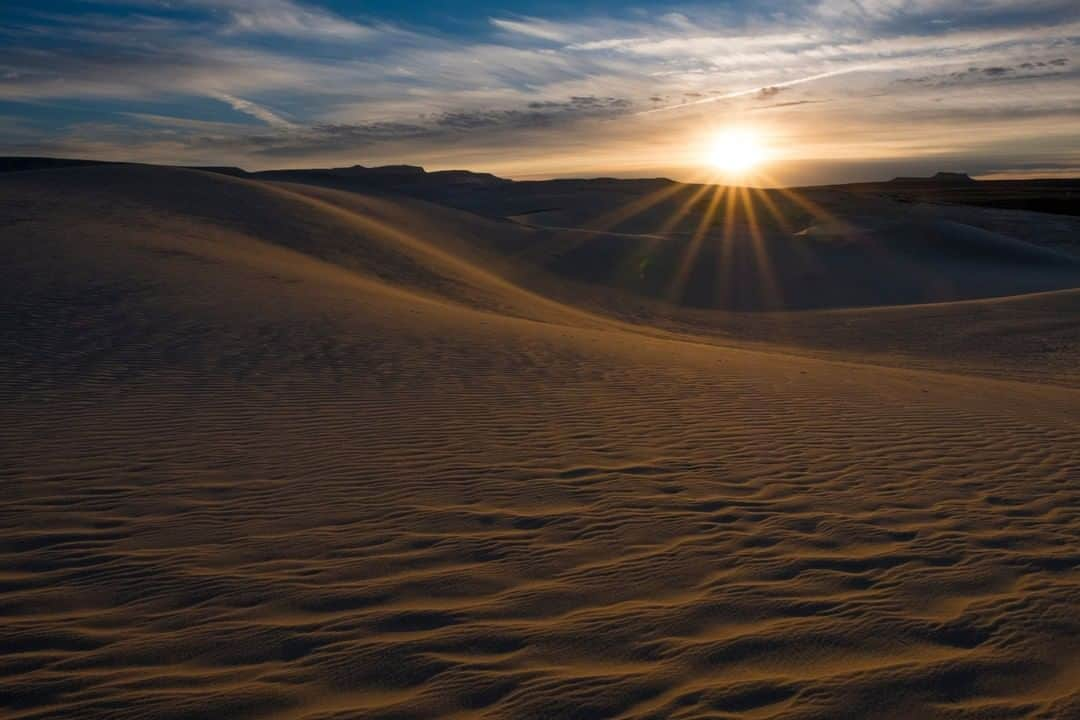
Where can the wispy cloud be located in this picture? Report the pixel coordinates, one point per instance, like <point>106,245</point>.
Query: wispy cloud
<point>171,121</point>
<point>534,28</point>
<point>282,17</point>
<point>760,91</point>
<point>256,111</point>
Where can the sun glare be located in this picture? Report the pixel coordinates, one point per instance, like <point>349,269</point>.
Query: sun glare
<point>735,152</point>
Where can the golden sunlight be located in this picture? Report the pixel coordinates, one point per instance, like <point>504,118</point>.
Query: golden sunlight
<point>735,151</point>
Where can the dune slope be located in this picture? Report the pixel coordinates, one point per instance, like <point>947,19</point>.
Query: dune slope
<point>746,249</point>
<point>274,454</point>
<point>743,259</point>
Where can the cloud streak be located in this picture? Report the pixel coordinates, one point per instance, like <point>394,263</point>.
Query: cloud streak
<point>254,110</point>
<point>281,17</point>
<point>533,28</point>
<point>761,90</point>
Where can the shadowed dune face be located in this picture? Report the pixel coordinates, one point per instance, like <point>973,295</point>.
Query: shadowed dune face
<point>819,267</point>
<point>739,249</point>
<point>744,249</point>
<point>283,454</point>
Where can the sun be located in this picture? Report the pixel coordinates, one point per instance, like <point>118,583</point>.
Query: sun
<point>735,151</point>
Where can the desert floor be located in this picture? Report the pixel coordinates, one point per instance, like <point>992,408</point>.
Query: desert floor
<point>287,452</point>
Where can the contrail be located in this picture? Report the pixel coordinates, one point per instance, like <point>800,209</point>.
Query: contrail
<point>751,91</point>
<point>256,111</point>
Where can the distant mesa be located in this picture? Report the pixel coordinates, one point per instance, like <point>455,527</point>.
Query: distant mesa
<point>415,172</point>
<point>380,170</point>
<point>398,177</point>
<point>467,177</point>
<point>17,164</point>
<point>940,178</point>
<point>220,169</point>
<point>391,176</point>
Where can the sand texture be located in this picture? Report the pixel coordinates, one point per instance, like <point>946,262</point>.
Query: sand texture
<point>276,451</point>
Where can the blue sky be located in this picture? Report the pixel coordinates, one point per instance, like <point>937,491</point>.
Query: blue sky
<point>839,89</point>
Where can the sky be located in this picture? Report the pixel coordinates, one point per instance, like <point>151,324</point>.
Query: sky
<point>835,90</point>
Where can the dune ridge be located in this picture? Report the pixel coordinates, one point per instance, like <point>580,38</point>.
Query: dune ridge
<point>285,452</point>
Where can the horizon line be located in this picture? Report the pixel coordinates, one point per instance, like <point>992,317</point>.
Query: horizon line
<point>1002,176</point>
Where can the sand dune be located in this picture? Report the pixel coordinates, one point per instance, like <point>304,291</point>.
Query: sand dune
<point>749,249</point>
<point>289,452</point>
<point>746,260</point>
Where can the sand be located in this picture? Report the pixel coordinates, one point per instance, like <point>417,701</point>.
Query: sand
<point>279,452</point>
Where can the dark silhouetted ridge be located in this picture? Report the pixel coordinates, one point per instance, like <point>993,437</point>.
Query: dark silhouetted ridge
<point>941,178</point>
